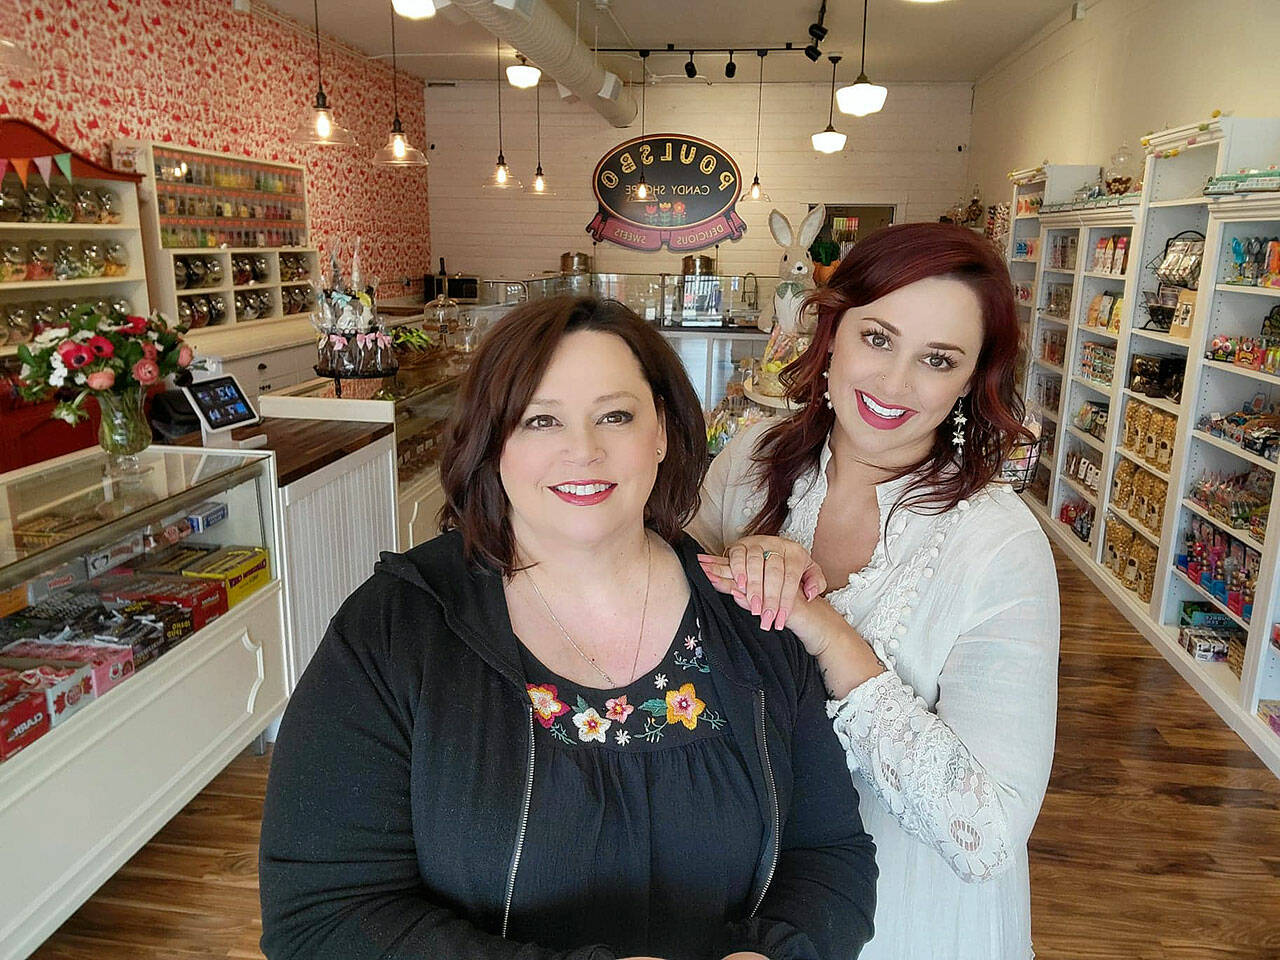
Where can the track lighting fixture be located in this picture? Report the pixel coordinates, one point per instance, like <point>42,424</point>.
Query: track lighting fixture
<point>818,32</point>
<point>690,68</point>
<point>730,68</point>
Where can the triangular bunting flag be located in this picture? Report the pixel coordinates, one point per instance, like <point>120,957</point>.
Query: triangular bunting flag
<point>64,163</point>
<point>20,167</point>
<point>45,166</point>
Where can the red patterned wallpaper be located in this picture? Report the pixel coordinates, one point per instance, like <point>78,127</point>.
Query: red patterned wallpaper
<point>196,73</point>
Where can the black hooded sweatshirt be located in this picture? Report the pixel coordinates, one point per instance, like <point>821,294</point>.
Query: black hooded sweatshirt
<point>401,780</point>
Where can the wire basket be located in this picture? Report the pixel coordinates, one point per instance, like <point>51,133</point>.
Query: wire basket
<point>1019,468</point>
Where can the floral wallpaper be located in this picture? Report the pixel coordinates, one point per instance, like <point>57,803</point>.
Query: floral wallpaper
<point>196,73</point>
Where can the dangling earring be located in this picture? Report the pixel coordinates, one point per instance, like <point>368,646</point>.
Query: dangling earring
<point>827,393</point>
<point>958,420</point>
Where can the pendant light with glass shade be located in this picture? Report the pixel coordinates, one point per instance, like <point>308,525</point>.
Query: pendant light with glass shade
<point>523,75</point>
<point>754,192</point>
<point>830,140</point>
<point>501,178</point>
<point>414,9</point>
<point>539,180</point>
<point>862,96</point>
<point>398,152</point>
<point>642,188</point>
<point>318,126</point>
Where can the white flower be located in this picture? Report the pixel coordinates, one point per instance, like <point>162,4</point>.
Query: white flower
<point>591,726</point>
<point>79,378</point>
<point>58,374</point>
<point>49,335</point>
<point>660,681</point>
<point>82,336</point>
<point>690,643</point>
<point>622,738</point>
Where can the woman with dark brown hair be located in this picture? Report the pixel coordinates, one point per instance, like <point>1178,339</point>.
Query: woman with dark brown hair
<point>543,735</point>
<point>938,642</point>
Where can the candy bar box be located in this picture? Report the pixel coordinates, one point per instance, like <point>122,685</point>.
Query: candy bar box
<point>66,685</point>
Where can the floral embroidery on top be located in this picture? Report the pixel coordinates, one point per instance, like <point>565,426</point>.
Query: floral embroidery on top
<point>678,707</point>
<point>546,703</point>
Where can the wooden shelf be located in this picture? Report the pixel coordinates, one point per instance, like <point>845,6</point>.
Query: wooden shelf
<point>1251,291</point>
<point>1097,386</point>
<point>1161,337</point>
<point>1049,366</point>
<point>1087,438</point>
<point>1103,275</point>
<point>1137,526</point>
<point>63,284</point>
<point>1139,462</point>
<point>1234,449</point>
<point>1159,403</point>
<point>1050,318</point>
<point>1239,620</point>
<point>1100,332</point>
<point>1061,270</point>
<point>1184,202</point>
<point>1240,371</point>
<point>41,228</point>
<point>1242,535</point>
<point>1081,489</point>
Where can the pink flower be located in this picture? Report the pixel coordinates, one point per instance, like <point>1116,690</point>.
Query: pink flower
<point>77,356</point>
<point>185,356</point>
<point>134,326</point>
<point>150,352</point>
<point>618,709</point>
<point>100,380</point>
<point>146,372</point>
<point>65,348</point>
<point>101,346</point>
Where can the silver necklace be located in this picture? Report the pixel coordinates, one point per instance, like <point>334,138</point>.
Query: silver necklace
<point>644,611</point>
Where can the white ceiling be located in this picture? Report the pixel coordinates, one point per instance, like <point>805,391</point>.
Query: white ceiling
<point>956,40</point>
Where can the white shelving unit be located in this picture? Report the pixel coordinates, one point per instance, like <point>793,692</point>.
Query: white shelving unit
<point>23,139</point>
<point>274,231</point>
<point>1179,161</point>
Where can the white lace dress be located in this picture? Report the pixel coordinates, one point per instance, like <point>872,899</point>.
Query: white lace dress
<point>950,748</point>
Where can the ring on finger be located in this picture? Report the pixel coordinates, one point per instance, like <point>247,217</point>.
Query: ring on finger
<point>768,554</point>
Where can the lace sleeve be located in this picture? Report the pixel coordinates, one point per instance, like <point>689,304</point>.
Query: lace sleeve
<point>924,776</point>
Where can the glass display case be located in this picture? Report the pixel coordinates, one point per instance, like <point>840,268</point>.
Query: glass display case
<point>669,299</point>
<point>141,648</point>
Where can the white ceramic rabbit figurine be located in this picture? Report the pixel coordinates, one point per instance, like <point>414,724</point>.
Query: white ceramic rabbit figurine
<point>795,269</point>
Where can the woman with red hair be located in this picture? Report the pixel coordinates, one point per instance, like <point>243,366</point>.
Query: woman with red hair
<point>938,640</point>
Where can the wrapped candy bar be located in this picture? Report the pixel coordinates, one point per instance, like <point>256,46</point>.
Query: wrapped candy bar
<point>66,685</point>
<point>110,664</point>
<point>23,720</point>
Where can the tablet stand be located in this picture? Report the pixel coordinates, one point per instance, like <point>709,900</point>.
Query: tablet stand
<point>222,439</point>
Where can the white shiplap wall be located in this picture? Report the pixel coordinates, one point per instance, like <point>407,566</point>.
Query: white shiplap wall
<point>907,155</point>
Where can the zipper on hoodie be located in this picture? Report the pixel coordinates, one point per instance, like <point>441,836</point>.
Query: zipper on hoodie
<point>773,800</point>
<point>524,825</point>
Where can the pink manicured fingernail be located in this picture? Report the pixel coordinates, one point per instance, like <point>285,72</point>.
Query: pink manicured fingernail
<point>755,605</point>
<point>782,621</point>
<point>741,581</point>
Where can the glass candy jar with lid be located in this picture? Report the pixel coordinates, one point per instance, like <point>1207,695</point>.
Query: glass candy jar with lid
<point>92,261</point>
<point>66,261</point>
<point>62,202</point>
<point>35,204</point>
<point>39,261</point>
<point>86,208</point>
<point>11,199</point>
<point>109,210</point>
<point>441,316</point>
<point>18,323</point>
<point>13,262</point>
<point>117,260</point>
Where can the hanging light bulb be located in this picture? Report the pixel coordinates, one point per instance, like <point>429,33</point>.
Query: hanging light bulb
<point>642,189</point>
<point>539,179</point>
<point>755,192</point>
<point>414,9</point>
<point>397,152</point>
<point>830,140</point>
<point>523,74</point>
<point>501,178</point>
<point>318,126</point>
<point>862,96</point>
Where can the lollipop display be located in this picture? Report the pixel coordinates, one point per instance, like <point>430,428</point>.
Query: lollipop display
<point>351,343</point>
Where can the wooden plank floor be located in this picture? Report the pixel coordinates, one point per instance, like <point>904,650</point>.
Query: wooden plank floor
<point>1160,836</point>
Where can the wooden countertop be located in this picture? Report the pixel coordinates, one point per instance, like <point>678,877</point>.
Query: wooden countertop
<point>304,446</point>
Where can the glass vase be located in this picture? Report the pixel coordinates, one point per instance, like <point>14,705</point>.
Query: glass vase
<point>124,431</point>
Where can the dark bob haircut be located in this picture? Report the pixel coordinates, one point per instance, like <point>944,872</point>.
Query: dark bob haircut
<point>496,390</point>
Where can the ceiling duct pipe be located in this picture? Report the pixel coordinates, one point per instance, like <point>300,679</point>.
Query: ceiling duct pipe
<point>535,30</point>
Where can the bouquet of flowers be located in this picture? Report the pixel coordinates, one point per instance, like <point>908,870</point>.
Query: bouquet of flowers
<point>105,354</point>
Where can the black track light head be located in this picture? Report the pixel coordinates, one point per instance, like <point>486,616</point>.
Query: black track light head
<point>813,53</point>
<point>690,68</point>
<point>730,68</point>
<point>818,32</point>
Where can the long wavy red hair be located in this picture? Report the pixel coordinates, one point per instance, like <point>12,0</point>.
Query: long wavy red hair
<point>884,262</point>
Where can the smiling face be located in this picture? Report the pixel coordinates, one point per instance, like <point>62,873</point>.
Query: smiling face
<point>582,461</point>
<point>899,364</point>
